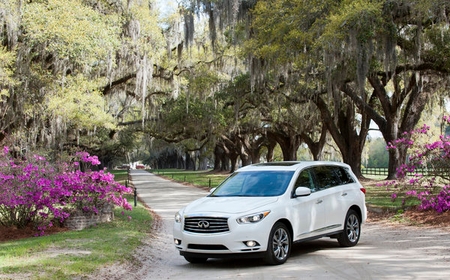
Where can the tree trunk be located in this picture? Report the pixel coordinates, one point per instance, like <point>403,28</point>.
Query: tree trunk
<point>233,159</point>
<point>344,131</point>
<point>402,111</point>
<point>251,148</point>
<point>270,147</point>
<point>316,148</point>
<point>289,144</point>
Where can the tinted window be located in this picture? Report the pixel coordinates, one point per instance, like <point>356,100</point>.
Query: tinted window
<point>330,176</point>
<point>345,176</point>
<point>255,183</point>
<point>305,179</point>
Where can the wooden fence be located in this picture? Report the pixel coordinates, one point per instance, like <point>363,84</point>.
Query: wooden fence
<point>383,171</point>
<point>374,171</point>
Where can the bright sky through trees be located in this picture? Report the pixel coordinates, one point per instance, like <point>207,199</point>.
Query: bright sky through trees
<point>166,7</point>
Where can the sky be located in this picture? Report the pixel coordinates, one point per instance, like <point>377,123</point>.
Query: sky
<point>166,6</point>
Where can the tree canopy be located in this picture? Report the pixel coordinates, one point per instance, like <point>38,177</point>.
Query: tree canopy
<point>220,81</point>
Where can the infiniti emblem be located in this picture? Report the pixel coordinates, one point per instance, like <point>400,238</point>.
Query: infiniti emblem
<point>203,224</point>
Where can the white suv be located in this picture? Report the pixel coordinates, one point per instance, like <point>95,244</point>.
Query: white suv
<point>261,209</point>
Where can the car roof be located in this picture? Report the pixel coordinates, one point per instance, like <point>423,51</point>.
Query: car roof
<point>288,165</point>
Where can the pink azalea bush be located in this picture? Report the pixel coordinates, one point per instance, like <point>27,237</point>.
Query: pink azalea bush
<point>34,191</point>
<point>426,175</point>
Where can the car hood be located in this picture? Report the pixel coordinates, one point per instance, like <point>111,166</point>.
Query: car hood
<point>227,205</point>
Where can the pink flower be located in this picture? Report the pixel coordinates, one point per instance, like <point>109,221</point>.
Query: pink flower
<point>393,196</point>
<point>47,192</point>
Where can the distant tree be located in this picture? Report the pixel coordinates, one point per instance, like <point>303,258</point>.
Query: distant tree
<point>377,155</point>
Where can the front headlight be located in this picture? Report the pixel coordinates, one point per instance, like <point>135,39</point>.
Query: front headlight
<point>253,218</point>
<point>178,217</point>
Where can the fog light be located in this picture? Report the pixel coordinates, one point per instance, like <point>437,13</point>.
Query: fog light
<point>177,241</point>
<point>251,243</point>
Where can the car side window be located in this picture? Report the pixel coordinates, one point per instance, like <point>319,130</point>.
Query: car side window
<point>331,176</point>
<point>346,178</point>
<point>304,179</point>
<point>327,177</point>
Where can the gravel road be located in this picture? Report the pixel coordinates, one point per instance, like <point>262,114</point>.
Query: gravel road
<point>383,252</point>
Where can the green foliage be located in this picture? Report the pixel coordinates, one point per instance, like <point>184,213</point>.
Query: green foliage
<point>361,19</point>
<point>441,39</point>
<point>203,81</point>
<point>67,51</point>
<point>147,37</point>
<point>79,102</point>
<point>186,118</point>
<point>7,60</point>
<point>377,153</point>
<point>286,29</point>
<point>70,30</point>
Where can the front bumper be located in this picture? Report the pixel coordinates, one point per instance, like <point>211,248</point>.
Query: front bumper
<point>238,240</point>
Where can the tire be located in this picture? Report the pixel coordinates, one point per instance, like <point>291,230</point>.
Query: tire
<point>279,245</point>
<point>195,259</point>
<point>352,230</point>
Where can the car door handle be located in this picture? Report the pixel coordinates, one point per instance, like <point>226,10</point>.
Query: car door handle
<point>319,201</point>
<point>344,194</point>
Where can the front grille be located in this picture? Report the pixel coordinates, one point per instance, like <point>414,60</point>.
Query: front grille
<point>207,247</point>
<point>206,224</point>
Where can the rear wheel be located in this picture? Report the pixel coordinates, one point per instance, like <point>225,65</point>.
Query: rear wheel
<point>279,246</point>
<point>352,230</point>
<point>195,259</point>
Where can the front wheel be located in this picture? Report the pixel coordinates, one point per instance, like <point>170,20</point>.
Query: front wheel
<point>352,230</point>
<point>279,245</point>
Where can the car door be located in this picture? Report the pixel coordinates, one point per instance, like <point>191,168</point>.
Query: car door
<point>327,183</point>
<point>343,194</point>
<point>309,211</point>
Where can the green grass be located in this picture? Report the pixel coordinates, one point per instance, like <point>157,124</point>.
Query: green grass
<point>379,196</point>
<point>120,176</point>
<point>73,254</point>
<point>198,178</point>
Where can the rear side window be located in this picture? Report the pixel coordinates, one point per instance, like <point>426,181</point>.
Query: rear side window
<point>331,176</point>
<point>345,176</point>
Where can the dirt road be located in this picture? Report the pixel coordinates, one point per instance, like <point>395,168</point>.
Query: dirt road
<point>384,251</point>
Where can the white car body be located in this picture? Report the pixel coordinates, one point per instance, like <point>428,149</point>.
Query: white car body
<point>309,215</point>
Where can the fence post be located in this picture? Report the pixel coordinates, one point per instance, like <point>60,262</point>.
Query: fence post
<point>134,188</point>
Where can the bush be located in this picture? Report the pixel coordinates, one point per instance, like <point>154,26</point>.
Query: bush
<point>426,175</point>
<point>32,190</point>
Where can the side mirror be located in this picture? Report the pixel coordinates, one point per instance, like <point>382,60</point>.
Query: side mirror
<point>302,191</point>
<point>211,190</point>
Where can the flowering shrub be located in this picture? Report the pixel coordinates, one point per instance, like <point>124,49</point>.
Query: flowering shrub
<point>34,191</point>
<point>426,175</point>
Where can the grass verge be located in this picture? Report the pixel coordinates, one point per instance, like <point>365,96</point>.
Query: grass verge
<point>120,176</point>
<point>205,179</point>
<point>74,254</point>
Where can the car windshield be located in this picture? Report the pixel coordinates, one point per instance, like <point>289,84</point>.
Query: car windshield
<point>254,183</point>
